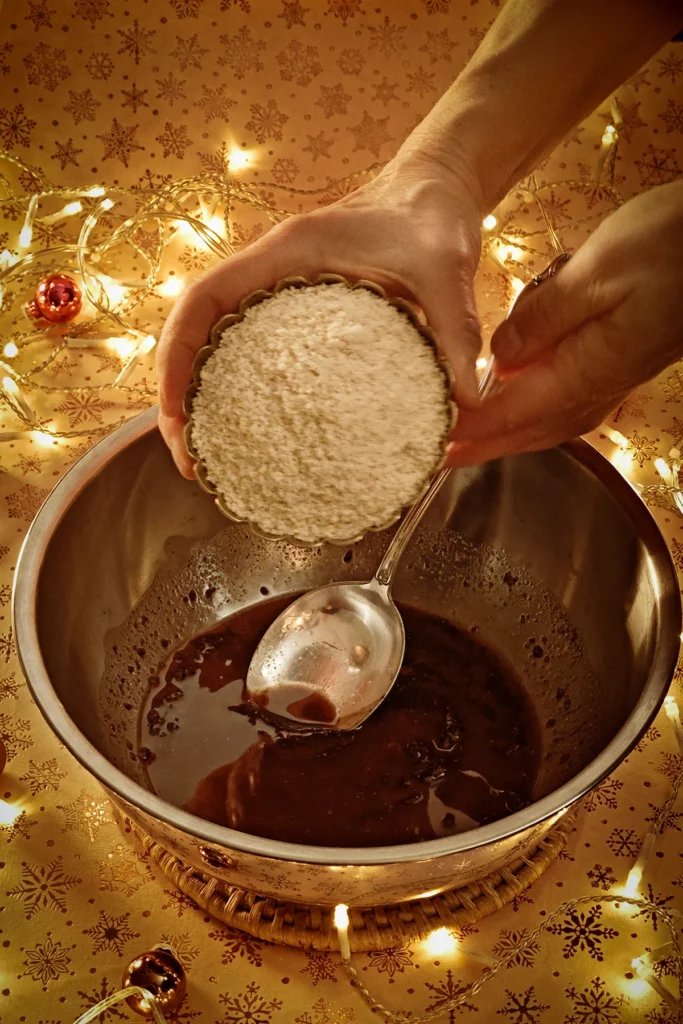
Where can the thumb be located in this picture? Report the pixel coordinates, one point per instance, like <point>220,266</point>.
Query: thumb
<point>448,303</point>
<point>543,317</point>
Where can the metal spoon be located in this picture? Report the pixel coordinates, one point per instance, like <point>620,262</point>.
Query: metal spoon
<point>333,655</point>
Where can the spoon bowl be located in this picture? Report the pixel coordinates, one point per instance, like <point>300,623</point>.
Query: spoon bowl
<point>331,657</point>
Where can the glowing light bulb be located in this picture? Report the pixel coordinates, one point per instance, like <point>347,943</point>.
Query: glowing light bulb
<point>114,291</point>
<point>481,363</point>
<point>664,471</point>
<point>621,458</point>
<point>124,347</point>
<point>96,191</point>
<point>517,285</point>
<point>608,134</point>
<point>217,224</point>
<point>107,204</point>
<point>341,923</point>
<point>341,916</point>
<point>173,286</point>
<point>186,229</point>
<point>633,880</point>
<point>510,252</point>
<point>142,348</point>
<point>10,385</point>
<point>66,211</point>
<point>44,438</point>
<point>8,813</point>
<point>489,222</point>
<point>10,350</point>
<point>616,438</point>
<point>674,715</point>
<point>7,259</point>
<point>637,988</point>
<point>441,942</point>
<point>25,236</point>
<point>238,158</point>
<point>146,345</point>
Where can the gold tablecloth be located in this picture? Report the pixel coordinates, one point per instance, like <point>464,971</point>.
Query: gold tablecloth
<point>312,90</point>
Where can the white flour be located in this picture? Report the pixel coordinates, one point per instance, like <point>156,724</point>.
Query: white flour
<point>321,414</point>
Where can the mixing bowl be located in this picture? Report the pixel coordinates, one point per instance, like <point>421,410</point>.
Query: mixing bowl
<point>555,550</point>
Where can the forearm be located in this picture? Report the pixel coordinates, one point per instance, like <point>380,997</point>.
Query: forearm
<point>543,66</point>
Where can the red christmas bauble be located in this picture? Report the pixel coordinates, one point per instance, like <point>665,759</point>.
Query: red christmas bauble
<point>57,299</point>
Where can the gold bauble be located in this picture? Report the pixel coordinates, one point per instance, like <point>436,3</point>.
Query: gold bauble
<point>162,974</point>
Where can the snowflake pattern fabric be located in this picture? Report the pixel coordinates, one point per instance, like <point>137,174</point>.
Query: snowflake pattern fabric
<point>97,91</point>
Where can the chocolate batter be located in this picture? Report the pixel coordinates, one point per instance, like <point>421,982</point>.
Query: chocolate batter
<point>455,744</point>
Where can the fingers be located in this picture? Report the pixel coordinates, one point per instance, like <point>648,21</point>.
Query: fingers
<point>217,292</point>
<point>172,430</point>
<point>565,394</point>
<point>185,331</point>
<point>449,307</point>
<point>545,315</point>
<point>505,423</point>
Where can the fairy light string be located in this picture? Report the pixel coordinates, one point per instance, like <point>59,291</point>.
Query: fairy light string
<point>94,1012</point>
<point>629,898</point>
<point>669,919</point>
<point>201,208</point>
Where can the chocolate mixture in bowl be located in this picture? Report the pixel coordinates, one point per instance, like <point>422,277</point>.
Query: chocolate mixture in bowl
<point>456,743</point>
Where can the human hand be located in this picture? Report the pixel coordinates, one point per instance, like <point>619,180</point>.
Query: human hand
<point>414,230</point>
<point>573,348</point>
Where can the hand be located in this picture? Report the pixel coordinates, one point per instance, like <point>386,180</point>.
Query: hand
<point>415,230</point>
<point>573,348</point>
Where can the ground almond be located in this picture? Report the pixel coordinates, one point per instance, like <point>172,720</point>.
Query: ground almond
<point>321,414</point>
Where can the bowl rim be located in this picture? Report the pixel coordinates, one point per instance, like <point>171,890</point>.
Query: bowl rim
<point>551,806</point>
<point>215,337</point>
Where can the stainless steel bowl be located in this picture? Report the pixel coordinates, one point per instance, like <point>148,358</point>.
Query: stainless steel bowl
<point>126,554</point>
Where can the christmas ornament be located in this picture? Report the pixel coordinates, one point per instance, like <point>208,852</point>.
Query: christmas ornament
<point>57,299</point>
<point>162,975</point>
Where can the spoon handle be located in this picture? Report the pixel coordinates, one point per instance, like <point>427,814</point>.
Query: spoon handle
<point>392,556</point>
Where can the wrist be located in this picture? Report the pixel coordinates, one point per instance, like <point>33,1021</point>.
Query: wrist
<point>421,169</point>
<point>462,154</point>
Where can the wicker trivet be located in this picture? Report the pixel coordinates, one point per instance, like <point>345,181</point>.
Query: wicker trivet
<point>309,927</point>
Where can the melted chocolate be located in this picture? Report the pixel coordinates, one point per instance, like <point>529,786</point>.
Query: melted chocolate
<point>314,708</point>
<point>455,744</point>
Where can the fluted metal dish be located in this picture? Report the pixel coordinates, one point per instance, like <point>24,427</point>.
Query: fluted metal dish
<point>215,337</point>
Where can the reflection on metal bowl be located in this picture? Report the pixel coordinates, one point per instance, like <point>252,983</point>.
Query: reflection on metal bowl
<point>126,560</point>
